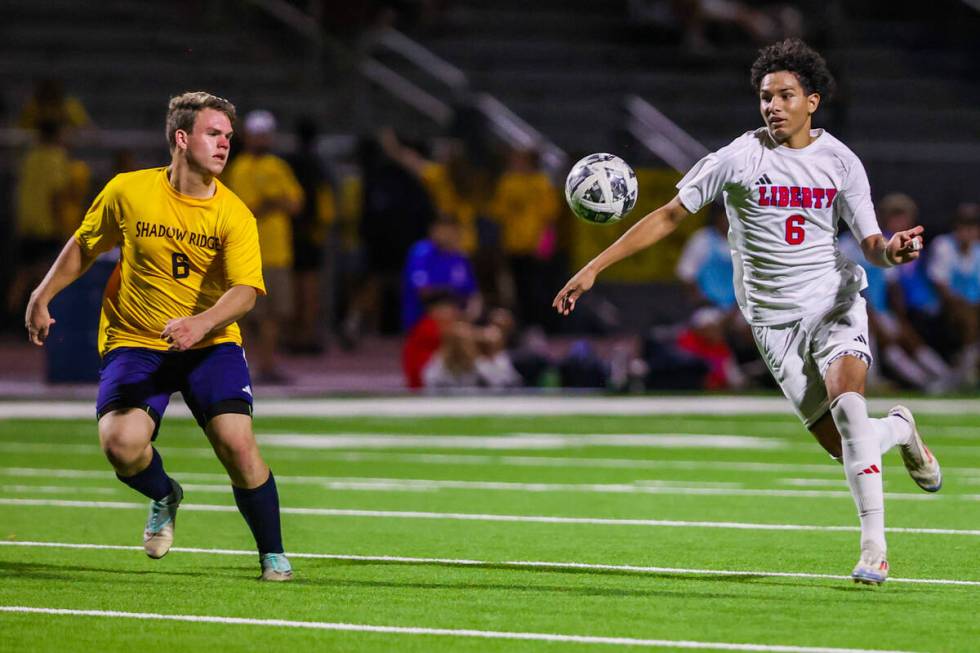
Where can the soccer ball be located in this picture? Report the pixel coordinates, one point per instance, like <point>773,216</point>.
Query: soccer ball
<point>601,188</point>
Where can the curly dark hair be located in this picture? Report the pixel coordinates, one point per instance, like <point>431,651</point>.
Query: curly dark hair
<point>795,56</point>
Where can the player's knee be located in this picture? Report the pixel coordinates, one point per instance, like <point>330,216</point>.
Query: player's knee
<point>119,450</point>
<point>246,455</point>
<point>122,446</point>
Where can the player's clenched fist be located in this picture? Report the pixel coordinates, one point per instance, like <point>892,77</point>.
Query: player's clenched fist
<point>183,333</point>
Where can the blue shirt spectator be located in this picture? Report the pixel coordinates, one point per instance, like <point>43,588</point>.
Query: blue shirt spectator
<point>706,263</point>
<point>436,264</point>
<point>954,262</point>
<point>917,289</point>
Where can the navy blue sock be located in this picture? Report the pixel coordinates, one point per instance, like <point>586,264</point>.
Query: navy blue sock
<point>152,482</point>
<point>260,508</point>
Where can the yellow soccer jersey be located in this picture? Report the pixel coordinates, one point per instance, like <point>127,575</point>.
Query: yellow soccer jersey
<point>179,255</point>
<point>258,179</point>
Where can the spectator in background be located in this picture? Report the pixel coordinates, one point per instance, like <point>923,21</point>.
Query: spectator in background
<point>898,345</point>
<point>526,206</point>
<point>77,198</point>
<point>705,265</point>
<point>310,229</point>
<point>912,297</point>
<point>43,182</point>
<point>704,339</point>
<point>49,104</point>
<point>954,268</point>
<point>425,338</point>
<point>396,212</point>
<point>266,184</point>
<point>705,268</point>
<point>437,264</point>
<point>470,356</point>
<point>461,188</point>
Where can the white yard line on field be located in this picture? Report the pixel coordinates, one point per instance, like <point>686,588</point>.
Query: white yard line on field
<point>426,406</point>
<point>813,482</point>
<point>91,449</point>
<point>612,463</point>
<point>444,632</point>
<point>517,564</point>
<point>519,441</point>
<point>457,516</point>
<point>477,459</point>
<point>54,489</point>
<point>367,484</point>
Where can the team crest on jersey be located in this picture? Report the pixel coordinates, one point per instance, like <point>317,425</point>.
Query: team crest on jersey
<point>800,197</point>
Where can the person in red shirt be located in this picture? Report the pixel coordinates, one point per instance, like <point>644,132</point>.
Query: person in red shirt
<point>441,312</point>
<point>705,339</point>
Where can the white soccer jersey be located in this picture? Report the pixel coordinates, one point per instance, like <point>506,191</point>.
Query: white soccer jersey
<point>783,205</point>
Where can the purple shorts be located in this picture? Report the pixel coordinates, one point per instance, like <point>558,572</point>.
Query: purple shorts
<point>213,381</point>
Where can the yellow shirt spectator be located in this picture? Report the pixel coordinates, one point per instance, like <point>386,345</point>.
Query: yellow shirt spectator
<point>260,180</point>
<point>43,178</point>
<point>179,255</point>
<point>526,205</point>
<point>435,178</point>
<point>68,113</point>
<point>76,195</point>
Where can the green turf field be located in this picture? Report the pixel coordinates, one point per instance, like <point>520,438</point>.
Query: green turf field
<point>605,532</point>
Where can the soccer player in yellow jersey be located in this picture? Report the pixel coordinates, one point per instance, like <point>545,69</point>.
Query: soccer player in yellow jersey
<point>190,268</point>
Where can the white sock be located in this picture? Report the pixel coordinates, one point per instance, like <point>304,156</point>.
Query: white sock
<point>862,465</point>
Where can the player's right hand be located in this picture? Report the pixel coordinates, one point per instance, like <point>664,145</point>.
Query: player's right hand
<point>38,322</point>
<point>564,301</point>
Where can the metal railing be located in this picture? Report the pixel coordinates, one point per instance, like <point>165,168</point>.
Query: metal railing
<point>507,125</point>
<point>661,135</point>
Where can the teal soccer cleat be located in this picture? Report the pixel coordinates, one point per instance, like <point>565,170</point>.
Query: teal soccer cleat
<point>276,568</point>
<point>158,536</point>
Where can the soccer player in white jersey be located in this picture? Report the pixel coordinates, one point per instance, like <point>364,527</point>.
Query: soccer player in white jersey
<point>785,186</point>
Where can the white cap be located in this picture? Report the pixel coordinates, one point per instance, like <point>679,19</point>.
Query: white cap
<point>260,121</point>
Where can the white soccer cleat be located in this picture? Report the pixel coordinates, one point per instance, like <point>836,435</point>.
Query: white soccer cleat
<point>158,536</point>
<point>919,461</point>
<point>872,568</point>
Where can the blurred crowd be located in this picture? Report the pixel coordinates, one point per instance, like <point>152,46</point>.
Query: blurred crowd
<point>458,245</point>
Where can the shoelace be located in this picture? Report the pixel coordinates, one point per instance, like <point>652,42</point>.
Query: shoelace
<point>158,509</point>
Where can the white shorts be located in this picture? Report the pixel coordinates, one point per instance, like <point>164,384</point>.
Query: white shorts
<point>799,353</point>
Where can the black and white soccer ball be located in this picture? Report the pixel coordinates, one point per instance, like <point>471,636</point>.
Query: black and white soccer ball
<point>601,188</point>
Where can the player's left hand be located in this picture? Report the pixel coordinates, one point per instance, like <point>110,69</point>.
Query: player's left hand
<point>183,333</point>
<point>905,246</point>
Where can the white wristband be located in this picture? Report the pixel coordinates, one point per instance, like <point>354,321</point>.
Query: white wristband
<point>889,263</point>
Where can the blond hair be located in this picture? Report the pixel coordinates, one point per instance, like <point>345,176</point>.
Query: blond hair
<point>184,108</point>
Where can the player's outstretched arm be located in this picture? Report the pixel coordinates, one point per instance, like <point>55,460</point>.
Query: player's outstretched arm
<point>647,231</point>
<point>184,332</point>
<point>902,247</point>
<point>71,263</point>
